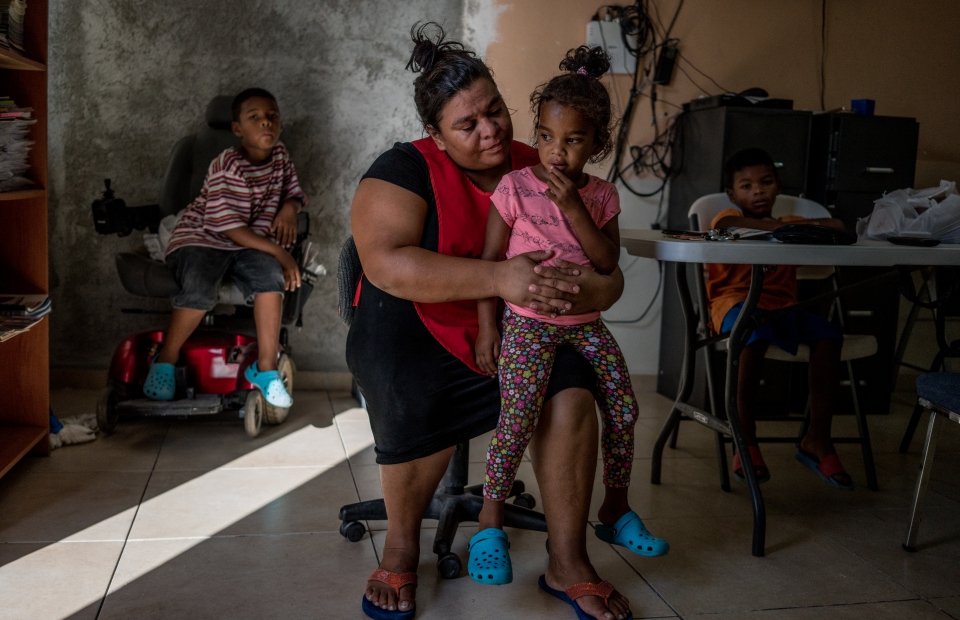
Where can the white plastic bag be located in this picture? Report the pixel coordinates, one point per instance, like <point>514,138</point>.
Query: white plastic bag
<point>930,213</point>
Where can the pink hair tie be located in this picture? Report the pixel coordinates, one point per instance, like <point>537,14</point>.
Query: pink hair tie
<point>582,71</point>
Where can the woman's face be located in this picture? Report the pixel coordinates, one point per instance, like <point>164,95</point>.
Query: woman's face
<point>475,127</point>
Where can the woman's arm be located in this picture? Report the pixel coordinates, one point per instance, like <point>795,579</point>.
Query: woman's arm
<point>387,223</point>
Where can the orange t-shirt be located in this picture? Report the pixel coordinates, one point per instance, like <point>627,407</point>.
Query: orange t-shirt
<point>728,285</point>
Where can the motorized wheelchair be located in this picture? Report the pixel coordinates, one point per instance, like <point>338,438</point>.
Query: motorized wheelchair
<point>209,374</point>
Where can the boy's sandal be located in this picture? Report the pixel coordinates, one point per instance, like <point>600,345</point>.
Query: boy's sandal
<point>757,459</point>
<point>161,383</point>
<point>490,557</point>
<point>270,384</point>
<point>569,596</point>
<point>826,468</point>
<point>629,532</point>
<point>395,581</point>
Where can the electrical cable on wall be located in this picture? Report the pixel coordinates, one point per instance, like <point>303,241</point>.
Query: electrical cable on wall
<point>657,54</point>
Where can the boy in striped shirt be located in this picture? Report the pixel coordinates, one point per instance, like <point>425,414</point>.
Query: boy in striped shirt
<point>241,225</point>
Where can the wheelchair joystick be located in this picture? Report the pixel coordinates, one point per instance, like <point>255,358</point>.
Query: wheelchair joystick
<point>112,215</point>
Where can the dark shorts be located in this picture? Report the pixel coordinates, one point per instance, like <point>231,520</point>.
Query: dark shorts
<point>200,271</point>
<point>788,331</point>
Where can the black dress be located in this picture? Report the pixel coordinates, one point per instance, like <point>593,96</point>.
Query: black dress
<point>420,397</point>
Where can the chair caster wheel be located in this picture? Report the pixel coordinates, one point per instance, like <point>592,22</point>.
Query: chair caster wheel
<point>353,530</point>
<point>525,500</point>
<point>518,488</point>
<point>449,566</point>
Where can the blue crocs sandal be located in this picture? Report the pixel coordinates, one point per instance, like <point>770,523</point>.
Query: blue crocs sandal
<point>161,383</point>
<point>569,596</point>
<point>395,581</point>
<point>629,532</point>
<point>270,384</point>
<point>489,557</point>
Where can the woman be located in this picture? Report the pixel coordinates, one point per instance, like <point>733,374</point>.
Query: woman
<point>418,219</point>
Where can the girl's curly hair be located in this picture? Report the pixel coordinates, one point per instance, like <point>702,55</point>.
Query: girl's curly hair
<point>581,89</point>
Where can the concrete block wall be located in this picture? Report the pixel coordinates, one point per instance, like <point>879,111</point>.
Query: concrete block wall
<point>128,78</point>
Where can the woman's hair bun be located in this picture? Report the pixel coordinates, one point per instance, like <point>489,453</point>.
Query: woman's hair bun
<point>590,61</point>
<point>427,49</point>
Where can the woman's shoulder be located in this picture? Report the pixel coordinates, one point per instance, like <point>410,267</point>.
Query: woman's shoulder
<point>403,166</point>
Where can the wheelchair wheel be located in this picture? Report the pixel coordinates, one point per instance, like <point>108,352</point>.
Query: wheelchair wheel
<point>276,415</point>
<point>253,412</point>
<point>107,410</point>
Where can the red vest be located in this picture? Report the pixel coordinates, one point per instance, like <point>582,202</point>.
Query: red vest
<point>462,211</point>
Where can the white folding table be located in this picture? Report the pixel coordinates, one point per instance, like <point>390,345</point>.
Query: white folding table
<point>654,244</point>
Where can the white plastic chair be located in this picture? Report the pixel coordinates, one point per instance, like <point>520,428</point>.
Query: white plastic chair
<point>855,346</point>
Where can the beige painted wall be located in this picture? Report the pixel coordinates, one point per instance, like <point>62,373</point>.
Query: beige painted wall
<point>905,55</point>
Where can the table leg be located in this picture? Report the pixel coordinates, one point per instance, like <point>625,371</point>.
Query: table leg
<point>734,348</point>
<point>686,376</point>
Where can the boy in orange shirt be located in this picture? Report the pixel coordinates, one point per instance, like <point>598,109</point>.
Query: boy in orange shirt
<point>751,182</point>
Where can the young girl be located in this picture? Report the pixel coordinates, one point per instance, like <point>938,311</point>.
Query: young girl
<point>556,206</point>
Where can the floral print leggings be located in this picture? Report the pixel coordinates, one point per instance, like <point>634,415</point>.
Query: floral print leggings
<point>526,359</point>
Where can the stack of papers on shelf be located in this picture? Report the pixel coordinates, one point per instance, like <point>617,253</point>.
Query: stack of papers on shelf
<point>11,24</point>
<point>14,146</point>
<point>18,313</point>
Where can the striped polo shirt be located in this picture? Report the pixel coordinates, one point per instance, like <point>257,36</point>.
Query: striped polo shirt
<point>237,193</point>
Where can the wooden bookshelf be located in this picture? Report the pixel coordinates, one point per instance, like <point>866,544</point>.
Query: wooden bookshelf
<point>25,359</point>
<point>26,193</point>
<point>12,60</point>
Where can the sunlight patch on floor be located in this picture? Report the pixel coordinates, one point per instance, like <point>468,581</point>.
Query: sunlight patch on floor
<point>189,513</point>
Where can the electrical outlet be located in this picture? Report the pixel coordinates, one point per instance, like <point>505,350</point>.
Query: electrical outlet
<point>606,34</point>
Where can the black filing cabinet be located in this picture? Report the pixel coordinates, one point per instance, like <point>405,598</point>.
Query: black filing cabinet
<point>706,139</point>
<point>854,160</point>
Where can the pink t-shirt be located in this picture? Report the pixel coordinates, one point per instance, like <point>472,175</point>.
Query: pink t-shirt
<point>538,224</point>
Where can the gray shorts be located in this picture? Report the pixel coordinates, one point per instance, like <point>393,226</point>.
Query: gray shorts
<point>200,271</point>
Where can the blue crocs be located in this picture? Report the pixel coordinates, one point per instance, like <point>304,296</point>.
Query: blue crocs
<point>490,558</point>
<point>270,384</point>
<point>629,532</point>
<point>161,383</point>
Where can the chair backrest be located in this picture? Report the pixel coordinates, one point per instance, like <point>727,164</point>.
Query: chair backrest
<point>192,155</point>
<point>792,205</point>
<point>707,207</point>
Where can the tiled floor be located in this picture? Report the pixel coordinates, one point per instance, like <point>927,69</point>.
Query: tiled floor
<point>191,519</point>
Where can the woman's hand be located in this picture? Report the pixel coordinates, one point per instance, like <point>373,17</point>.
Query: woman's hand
<point>581,290</point>
<point>487,351</point>
<point>517,281</point>
<point>284,225</point>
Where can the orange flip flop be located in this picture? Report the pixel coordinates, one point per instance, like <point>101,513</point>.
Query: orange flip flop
<point>395,581</point>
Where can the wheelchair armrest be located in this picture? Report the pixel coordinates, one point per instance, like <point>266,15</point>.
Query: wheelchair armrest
<point>144,276</point>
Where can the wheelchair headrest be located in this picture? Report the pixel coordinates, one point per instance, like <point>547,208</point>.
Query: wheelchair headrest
<point>219,115</point>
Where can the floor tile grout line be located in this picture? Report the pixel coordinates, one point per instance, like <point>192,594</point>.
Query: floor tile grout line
<point>825,606</point>
<point>644,579</point>
<point>130,528</point>
<point>353,477</point>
